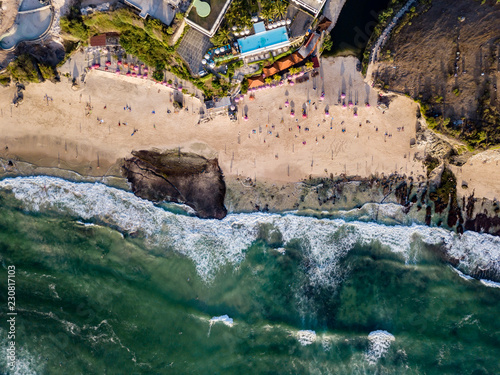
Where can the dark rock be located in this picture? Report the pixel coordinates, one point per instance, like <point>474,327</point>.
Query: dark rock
<point>178,177</point>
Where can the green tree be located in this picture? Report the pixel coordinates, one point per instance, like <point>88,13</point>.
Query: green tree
<point>221,38</point>
<point>280,9</point>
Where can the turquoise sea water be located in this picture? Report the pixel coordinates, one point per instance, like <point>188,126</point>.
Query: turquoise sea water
<point>107,283</point>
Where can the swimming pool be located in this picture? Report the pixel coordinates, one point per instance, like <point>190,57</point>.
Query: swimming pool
<point>263,41</point>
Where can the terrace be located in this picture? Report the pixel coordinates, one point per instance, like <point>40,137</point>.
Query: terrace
<point>207,24</point>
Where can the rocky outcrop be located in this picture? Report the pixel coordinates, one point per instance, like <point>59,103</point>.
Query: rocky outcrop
<point>178,177</point>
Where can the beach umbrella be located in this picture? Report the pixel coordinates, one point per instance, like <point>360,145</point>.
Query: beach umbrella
<point>164,83</point>
<point>125,65</point>
<point>207,56</point>
<point>342,95</point>
<point>292,114</point>
<point>136,68</point>
<point>252,98</point>
<point>367,105</point>
<point>204,62</point>
<point>236,33</point>
<point>327,114</point>
<point>350,104</point>
<point>355,114</point>
<point>288,21</point>
<point>247,32</point>
<point>108,63</point>
<point>236,99</point>
<point>255,19</point>
<point>245,118</point>
<point>222,50</point>
<point>134,74</point>
<point>119,62</point>
<point>232,108</point>
<point>145,70</point>
<point>292,83</point>
<point>234,28</point>
<point>286,103</point>
<point>344,106</point>
<point>169,85</point>
<point>179,87</point>
<point>127,74</point>
<point>142,65</point>
<point>217,50</point>
<point>304,115</point>
<point>242,96</point>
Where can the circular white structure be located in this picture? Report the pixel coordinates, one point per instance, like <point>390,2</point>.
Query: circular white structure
<point>247,32</point>
<point>222,50</point>
<point>234,28</point>
<point>288,21</point>
<point>204,62</point>
<point>236,33</point>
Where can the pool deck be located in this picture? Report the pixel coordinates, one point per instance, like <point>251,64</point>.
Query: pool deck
<point>263,41</point>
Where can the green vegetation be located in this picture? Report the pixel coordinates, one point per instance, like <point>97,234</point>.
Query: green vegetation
<point>456,91</point>
<point>327,44</point>
<point>480,133</point>
<point>447,189</point>
<point>431,163</point>
<point>149,40</point>
<point>24,69</point>
<point>4,79</point>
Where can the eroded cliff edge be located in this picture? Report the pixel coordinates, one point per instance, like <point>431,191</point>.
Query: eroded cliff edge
<point>178,177</point>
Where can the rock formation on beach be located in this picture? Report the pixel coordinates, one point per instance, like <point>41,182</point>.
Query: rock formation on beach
<point>178,177</point>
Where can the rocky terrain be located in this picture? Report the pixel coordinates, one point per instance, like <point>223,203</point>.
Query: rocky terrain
<point>178,177</point>
<point>448,57</point>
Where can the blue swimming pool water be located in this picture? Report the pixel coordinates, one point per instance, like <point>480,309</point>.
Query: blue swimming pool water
<point>263,39</point>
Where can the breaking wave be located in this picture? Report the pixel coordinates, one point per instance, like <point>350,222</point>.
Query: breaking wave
<point>212,244</point>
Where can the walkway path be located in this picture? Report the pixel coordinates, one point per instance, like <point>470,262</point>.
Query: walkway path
<point>385,34</point>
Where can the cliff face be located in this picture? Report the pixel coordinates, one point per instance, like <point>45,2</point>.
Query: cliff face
<point>447,57</point>
<point>178,177</point>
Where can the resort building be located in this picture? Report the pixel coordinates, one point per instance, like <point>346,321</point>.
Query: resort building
<point>312,6</point>
<point>207,15</point>
<point>263,40</point>
<point>163,10</point>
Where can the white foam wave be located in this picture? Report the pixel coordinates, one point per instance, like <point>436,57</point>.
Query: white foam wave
<point>212,244</point>
<point>461,274</point>
<point>380,341</point>
<point>306,337</point>
<point>223,319</point>
<point>489,283</point>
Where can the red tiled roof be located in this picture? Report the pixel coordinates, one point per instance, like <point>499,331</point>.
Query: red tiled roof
<point>255,81</point>
<point>98,40</point>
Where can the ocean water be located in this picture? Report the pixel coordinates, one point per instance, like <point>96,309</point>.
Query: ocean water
<point>107,283</point>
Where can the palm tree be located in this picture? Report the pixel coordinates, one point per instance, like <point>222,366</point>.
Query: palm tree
<point>221,38</point>
<point>280,9</point>
<point>266,13</point>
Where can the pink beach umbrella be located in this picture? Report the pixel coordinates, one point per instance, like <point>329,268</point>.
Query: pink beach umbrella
<point>344,106</point>
<point>164,83</point>
<point>134,74</point>
<point>287,103</point>
<point>342,96</point>
<point>119,62</point>
<point>327,113</point>
<point>145,70</point>
<point>136,68</point>
<point>367,105</point>
<point>169,85</point>
<point>128,74</point>
<point>292,83</point>
<point>304,115</point>
<point>237,99</point>
<point>355,114</point>
<point>350,104</point>
<point>245,118</point>
<point>292,113</point>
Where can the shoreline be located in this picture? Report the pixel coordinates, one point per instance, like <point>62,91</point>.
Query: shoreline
<point>57,126</point>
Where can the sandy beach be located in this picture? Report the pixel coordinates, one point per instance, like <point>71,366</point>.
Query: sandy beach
<point>53,127</point>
